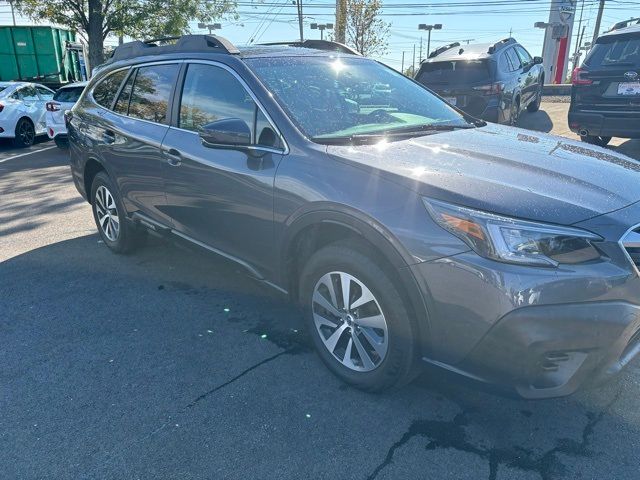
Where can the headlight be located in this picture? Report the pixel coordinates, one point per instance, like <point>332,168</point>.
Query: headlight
<point>515,241</point>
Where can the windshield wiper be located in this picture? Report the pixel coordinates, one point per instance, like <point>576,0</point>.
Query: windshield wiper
<point>394,133</point>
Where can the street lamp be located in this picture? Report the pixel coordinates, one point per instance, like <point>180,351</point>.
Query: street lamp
<point>321,27</point>
<point>424,26</point>
<point>210,26</point>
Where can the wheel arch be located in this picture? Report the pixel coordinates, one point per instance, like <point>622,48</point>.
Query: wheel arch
<point>325,224</point>
<point>24,117</point>
<point>91,168</point>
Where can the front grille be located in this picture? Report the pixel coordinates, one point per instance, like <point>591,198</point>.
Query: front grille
<point>631,245</point>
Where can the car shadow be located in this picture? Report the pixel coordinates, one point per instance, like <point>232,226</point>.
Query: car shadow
<point>70,306</point>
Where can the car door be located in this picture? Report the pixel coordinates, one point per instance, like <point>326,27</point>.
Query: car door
<point>528,79</point>
<point>44,95</point>
<point>30,105</point>
<point>219,196</point>
<point>134,134</point>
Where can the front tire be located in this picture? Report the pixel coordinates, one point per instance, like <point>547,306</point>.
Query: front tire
<point>596,140</point>
<point>357,319</point>
<point>115,229</point>
<point>25,133</point>
<point>535,105</point>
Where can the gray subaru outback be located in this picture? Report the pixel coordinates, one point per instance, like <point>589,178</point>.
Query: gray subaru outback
<point>410,232</point>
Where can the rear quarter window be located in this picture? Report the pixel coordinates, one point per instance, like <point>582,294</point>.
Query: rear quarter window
<point>105,92</point>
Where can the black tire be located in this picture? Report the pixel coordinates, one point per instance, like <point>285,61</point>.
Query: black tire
<point>128,236</point>
<point>61,143</point>
<point>596,140</point>
<point>535,105</point>
<point>514,112</point>
<point>25,133</point>
<point>399,365</point>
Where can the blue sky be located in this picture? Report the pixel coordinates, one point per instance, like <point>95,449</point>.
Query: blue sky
<point>481,20</point>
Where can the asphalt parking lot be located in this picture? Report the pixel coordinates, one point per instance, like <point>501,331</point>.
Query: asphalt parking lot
<point>171,364</point>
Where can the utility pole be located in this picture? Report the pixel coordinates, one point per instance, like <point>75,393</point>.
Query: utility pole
<point>402,68</point>
<point>13,13</point>
<point>341,21</point>
<point>300,26</point>
<point>413,65</point>
<point>510,32</point>
<point>596,31</point>
<point>467,40</point>
<point>420,55</point>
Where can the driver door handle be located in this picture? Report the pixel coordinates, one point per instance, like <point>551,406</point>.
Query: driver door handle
<point>173,157</point>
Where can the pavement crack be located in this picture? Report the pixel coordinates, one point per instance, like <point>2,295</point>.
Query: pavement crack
<point>237,377</point>
<point>452,435</point>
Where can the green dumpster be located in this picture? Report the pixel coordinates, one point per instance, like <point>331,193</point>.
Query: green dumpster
<point>38,54</point>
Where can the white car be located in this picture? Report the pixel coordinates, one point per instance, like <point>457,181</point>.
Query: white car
<point>63,100</point>
<point>22,109</point>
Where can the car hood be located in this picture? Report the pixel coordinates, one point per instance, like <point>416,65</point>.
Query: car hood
<point>506,170</point>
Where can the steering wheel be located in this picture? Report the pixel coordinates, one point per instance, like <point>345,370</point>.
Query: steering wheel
<point>382,116</point>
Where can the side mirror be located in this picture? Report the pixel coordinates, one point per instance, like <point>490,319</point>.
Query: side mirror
<point>537,60</point>
<point>229,133</point>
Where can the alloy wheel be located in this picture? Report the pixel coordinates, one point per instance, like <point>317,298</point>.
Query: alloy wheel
<point>107,213</point>
<point>26,132</point>
<point>350,322</point>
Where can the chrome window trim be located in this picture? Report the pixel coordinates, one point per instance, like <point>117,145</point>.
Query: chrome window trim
<point>621,242</point>
<point>244,84</point>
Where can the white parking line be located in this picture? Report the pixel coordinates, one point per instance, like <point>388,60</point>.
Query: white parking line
<point>27,153</point>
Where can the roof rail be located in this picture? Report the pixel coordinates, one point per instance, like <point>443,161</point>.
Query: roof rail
<point>318,45</point>
<point>184,43</point>
<point>501,43</point>
<point>624,24</point>
<point>443,49</point>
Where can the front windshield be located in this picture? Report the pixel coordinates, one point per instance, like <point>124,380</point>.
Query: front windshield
<point>330,97</point>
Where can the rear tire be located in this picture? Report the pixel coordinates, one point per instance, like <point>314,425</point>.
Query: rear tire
<point>371,342</point>
<point>596,140</point>
<point>116,230</point>
<point>25,133</point>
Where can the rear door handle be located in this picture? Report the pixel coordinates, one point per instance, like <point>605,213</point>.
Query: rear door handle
<point>173,157</point>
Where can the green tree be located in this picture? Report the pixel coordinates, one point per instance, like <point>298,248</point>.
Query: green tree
<point>366,32</point>
<point>94,20</point>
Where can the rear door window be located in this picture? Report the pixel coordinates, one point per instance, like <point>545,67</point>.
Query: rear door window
<point>151,91</point>
<point>105,92</point>
<point>68,95</point>
<point>514,59</point>
<point>455,72</point>
<point>614,51</point>
<point>28,94</point>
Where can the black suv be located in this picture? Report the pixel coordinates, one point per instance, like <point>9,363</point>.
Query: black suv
<point>408,230</point>
<point>495,82</point>
<point>605,96</point>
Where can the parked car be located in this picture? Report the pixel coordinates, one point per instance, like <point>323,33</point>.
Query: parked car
<point>495,82</point>
<point>64,99</point>
<point>605,96</point>
<point>22,109</point>
<point>410,232</point>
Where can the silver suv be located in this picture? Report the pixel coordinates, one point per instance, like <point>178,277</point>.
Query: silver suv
<point>409,231</point>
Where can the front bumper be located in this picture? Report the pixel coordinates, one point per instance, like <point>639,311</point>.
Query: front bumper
<point>549,351</point>
<point>613,124</point>
<point>543,331</point>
